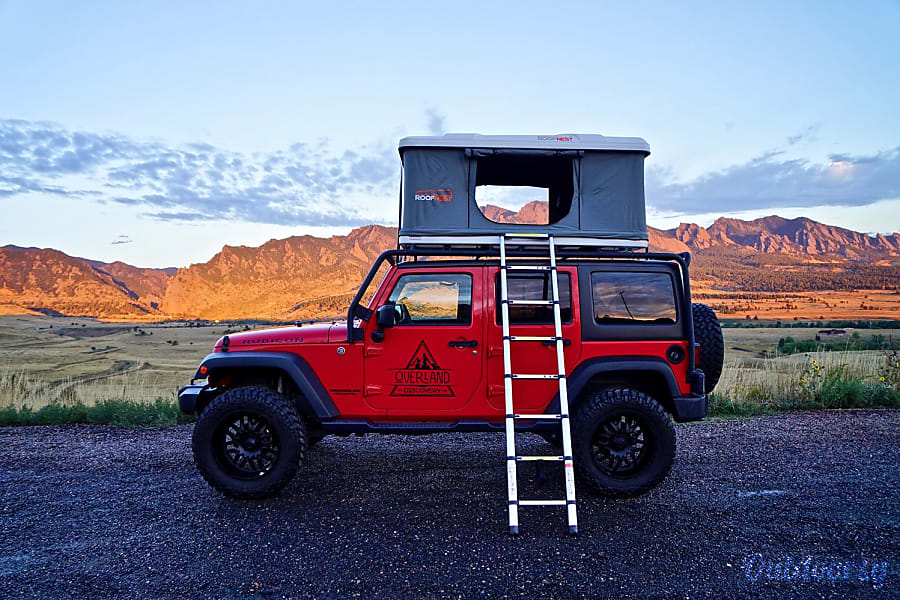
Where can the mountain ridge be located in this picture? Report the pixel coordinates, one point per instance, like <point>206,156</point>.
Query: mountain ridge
<point>306,276</point>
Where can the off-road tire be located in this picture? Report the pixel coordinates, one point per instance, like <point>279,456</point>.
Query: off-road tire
<point>609,406</point>
<point>708,333</point>
<point>279,414</point>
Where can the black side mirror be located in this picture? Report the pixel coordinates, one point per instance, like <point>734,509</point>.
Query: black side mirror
<point>385,318</point>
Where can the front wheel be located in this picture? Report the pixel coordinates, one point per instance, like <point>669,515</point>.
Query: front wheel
<point>623,442</point>
<point>249,442</point>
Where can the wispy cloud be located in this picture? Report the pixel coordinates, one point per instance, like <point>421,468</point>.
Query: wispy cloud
<point>807,134</point>
<point>122,239</point>
<point>300,185</point>
<point>315,185</point>
<point>773,181</point>
<point>437,123</point>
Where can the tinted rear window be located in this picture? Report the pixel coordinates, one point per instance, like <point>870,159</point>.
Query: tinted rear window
<point>629,297</point>
<point>536,286</point>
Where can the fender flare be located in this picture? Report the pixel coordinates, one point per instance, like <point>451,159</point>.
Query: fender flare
<point>584,372</point>
<point>314,400</point>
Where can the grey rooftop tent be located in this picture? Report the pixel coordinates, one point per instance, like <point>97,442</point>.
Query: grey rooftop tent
<point>594,183</point>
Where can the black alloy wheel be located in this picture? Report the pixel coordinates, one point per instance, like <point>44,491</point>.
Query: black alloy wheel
<point>621,445</point>
<point>246,446</point>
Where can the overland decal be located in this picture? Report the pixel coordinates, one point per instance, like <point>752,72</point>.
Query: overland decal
<point>422,376</point>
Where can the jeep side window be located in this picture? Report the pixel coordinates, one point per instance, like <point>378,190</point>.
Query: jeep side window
<point>628,297</point>
<point>433,299</point>
<point>535,286</point>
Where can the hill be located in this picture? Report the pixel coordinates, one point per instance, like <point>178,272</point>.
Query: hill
<point>49,281</point>
<point>771,267</point>
<point>297,277</point>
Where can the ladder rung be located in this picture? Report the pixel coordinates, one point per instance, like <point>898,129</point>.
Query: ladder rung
<point>552,458</point>
<point>530,302</point>
<point>526,235</point>
<point>532,338</point>
<point>533,376</point>
<point>542,416</point>
<point>542,502</point>
<point>529,268</point>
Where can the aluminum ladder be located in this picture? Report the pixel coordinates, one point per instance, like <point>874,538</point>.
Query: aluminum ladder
<point>508,377</point>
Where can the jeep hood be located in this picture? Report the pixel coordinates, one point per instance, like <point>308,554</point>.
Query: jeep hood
<point>319,333</point>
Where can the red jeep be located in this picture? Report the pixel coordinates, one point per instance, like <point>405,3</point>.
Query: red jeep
<point>426,353</point>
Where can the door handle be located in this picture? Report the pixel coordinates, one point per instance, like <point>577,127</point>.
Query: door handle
<point>463,343</point>
<point>566,342</point>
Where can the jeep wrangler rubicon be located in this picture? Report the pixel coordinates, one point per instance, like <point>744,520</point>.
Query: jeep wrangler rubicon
<point>426,352</point>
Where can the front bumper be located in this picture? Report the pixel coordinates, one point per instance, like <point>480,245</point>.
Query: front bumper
<point>189,397</point>
<point>690,408</point>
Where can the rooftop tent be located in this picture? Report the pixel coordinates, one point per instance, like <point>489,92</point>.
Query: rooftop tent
<point>589,189</point>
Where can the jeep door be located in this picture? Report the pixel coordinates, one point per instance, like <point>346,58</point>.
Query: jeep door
<point>432,359</point>
<point>531,395</point>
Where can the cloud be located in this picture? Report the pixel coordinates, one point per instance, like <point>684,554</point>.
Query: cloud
<point>122,239</point>
<point>300,185</point>
<point>773,181</point>
<point>806,135</point>
<point>437,123</point>
<point>314,185</point>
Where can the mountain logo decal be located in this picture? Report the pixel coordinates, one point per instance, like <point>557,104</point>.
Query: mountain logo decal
<point>422,376</point>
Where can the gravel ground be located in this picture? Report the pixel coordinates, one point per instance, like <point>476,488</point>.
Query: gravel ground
<point>97,512</point>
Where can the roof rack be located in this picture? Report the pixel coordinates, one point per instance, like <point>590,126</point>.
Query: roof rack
<point>475,242</point>
<point>356,311</point>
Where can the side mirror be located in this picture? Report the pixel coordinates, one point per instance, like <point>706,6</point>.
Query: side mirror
<point>385,318</point>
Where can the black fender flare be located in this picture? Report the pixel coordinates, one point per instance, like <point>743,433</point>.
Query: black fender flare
<point>584,372</point>
<point>314,400</point>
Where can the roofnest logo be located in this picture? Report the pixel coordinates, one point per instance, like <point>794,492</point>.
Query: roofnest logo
<point>445,195</point>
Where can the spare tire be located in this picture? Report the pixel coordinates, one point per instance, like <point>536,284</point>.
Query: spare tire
<point>708,333</point>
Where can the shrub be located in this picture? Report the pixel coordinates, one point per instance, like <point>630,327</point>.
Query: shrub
<point>122,413</point>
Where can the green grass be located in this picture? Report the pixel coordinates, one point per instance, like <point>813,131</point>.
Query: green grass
<point>121,413</point>
<point>818,388</point>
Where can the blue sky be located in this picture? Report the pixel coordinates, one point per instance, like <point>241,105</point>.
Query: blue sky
<point>157,132</point>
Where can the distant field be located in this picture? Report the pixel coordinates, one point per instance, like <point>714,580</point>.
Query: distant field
<point>865,305</point>
<point>64,359</point>
<point>83,359</point>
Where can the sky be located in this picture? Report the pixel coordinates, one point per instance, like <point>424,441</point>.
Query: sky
<point>155,133</point>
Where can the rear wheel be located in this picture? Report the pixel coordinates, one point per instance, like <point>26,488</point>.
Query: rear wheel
<point>249,442</point>
<point>623,442</point>
<point>708,333</point>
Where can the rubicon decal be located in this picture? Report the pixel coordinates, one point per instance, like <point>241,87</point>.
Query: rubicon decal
<point>422,376</point>
<point>445,195</point>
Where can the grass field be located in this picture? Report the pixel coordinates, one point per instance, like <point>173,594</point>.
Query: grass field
<point>87,370</point>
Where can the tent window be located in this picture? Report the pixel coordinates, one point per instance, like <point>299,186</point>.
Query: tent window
<point>525,190</point>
